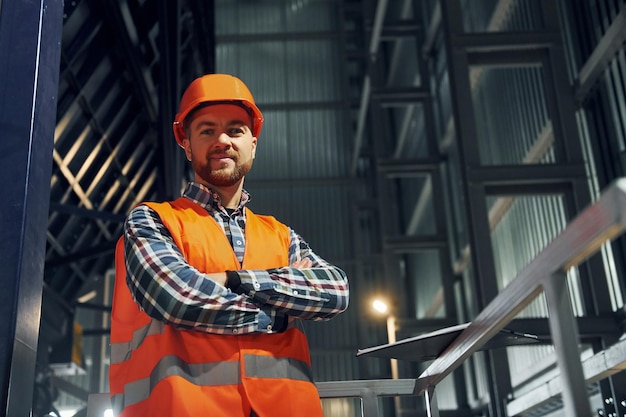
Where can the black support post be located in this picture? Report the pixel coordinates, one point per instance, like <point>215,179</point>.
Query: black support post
<point>30,44</point>
<point>169,92</point>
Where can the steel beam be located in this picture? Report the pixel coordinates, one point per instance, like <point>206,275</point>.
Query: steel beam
<point>444,298</point>
<point>610,43</point>
<point>381,10</point>
<point>527,174</point>
<point>117,15</point>
<point>30,48</point>
<point>505,41</point>
<point>400,96</point>
<point>413,167</point>
<point>171,177</point>
<point>411,244</point>
<point>432,31</point>
<point>204,29</point>
<point>483,275</point>
<point>508,58</point>
<point>399,29</point>
<point>277,37</point>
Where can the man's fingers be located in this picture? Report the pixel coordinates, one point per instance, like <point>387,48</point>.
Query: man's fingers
<point>302,263</point>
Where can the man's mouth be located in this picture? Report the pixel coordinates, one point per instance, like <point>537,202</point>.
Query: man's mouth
<point>223,157</point>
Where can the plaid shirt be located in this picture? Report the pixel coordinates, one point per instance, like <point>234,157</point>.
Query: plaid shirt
<point>168,289</point>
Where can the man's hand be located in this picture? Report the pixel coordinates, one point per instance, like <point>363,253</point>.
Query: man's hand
<point>221,278</point>
<point>302,263</point>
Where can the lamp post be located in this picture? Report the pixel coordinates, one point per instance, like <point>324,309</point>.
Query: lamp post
<point>382,308</point>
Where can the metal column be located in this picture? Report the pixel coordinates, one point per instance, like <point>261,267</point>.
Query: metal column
<point>30,44</point>
<point>474,195</point>
<point>565,335</point>
<point>171,181</point>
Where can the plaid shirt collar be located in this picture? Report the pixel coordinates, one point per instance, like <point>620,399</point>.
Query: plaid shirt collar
<point>210,200</point>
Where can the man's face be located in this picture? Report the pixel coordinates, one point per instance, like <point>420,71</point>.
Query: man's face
<point>220,145</point>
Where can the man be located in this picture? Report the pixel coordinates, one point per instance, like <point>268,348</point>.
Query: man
<point>208,295</point>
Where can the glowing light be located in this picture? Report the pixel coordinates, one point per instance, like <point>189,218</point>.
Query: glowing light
<point>380,306</point>
<point>108,413</point>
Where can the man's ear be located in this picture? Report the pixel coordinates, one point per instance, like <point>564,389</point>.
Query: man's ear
<point>187,148</point>
<point>254,142</point>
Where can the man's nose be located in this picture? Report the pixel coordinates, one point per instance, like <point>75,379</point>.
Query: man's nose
<point>223,139</point>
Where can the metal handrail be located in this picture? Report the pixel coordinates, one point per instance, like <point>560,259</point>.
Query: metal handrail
<point>546,273</point>
<point>368,390</point>
<point>584,236</point>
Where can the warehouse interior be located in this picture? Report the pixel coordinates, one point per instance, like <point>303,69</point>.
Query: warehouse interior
<point>432,149</point>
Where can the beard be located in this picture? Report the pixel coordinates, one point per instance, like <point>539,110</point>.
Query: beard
<point>224,176</point>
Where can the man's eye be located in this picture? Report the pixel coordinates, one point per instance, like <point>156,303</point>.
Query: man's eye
<point>206,132</point>
<point>236,131</point>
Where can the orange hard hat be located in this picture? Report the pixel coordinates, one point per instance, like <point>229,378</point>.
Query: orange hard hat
<point>216,88</point>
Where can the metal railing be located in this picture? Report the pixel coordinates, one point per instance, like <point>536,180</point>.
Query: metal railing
<point>546,273</point>
<point>584,236</point>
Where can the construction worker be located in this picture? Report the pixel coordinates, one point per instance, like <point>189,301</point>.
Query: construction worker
<point>209,296</point>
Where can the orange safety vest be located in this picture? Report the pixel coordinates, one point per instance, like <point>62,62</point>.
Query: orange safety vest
<point>157,370</point>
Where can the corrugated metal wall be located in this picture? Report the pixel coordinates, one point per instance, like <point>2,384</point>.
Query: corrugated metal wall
<point>514,128</point>
<point>602,111</point>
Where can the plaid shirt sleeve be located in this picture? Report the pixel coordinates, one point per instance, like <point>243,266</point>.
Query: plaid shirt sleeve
<point>168,289</point>
<point>317,293</point>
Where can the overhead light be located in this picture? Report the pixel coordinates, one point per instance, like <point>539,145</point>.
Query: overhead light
<point>380,306</point>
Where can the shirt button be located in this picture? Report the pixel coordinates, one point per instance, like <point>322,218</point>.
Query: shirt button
<point>295,292</point>
<point>234,330</point>
<point>238,242</point>
<point>269,328</point>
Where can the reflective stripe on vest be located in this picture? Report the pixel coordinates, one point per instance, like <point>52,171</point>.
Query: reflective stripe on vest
<point>212,374</point>
<point>121,352</point>
<point>271,367</point>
